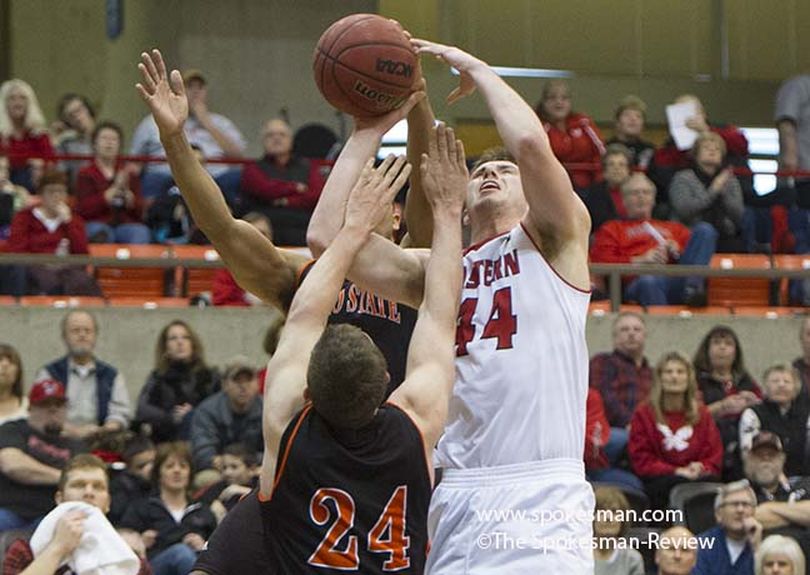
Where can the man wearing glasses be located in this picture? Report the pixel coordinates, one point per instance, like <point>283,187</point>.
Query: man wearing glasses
<point>737,535</point>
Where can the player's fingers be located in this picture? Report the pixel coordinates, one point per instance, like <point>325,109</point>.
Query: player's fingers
<point>150,66</point>
<point>159,63</point>
<point>433,149</point>
<point>441,141</point>
<point>176,81</point>
<point>461,157</point>
<point>412,101</point>
<point>450,137</point>
<point>395,169</point>
<point>148,82</point>
<point>142,91</point>
<point>397,184</point>
<point>454,96</point>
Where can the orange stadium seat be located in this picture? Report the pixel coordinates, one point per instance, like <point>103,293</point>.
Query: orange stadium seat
<point>61,301</point>
<point>739,291</point>
<point>149,303</point>
<point>195,280</point>
<point>130,282</point>
<point>789,262</point>
<point>7,300</point>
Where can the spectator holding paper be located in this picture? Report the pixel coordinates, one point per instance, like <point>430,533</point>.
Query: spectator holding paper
<point>640,239</point>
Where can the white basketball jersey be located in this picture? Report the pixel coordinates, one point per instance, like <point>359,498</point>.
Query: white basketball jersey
<point>521,360</point>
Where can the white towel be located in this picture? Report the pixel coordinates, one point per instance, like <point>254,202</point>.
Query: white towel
<point>101,550</point>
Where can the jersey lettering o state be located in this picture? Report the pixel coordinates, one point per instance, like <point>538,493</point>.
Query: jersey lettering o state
<point>521,360</point>
<point>387,323</point>
<point>349,500</point>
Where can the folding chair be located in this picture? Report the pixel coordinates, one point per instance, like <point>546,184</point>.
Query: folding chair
<point>739,291</point>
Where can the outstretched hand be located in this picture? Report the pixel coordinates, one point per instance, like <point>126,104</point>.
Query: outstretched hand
<point>458,59</point>
<point>165,95</point>
<point>371,198</point>
<point>444,170</point>
<point>387,121</point>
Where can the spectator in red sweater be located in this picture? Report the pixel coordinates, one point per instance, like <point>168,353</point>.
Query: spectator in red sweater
<point>51,228</point>
<point>23,131</point>
<point>642,240</point>
<point>226,291</point>
<point>108,192</point>
<point>673,438</point>
<point>282,185</point>
<point>573,136</point>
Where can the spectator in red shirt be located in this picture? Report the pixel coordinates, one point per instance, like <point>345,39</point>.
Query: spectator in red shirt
<point>51,228</point>
<point>673,438</point>
<point>642,240</point>
<point>108,192</point>
<point>283,186</point>
<point>574,137</point>
<point>23,131</point>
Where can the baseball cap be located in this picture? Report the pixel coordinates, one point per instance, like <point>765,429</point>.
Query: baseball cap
<point>766,439</point>
<point>193,74</point>
<point>47,389</point>
<point>238,366</point>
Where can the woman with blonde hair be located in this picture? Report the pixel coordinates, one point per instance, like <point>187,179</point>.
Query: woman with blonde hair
<point>610,524</point>
<point>23,131</point>
<point>673,438</point>
<point>779,555</point>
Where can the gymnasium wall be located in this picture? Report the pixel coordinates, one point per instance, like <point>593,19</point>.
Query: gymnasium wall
<point>128,336</point>
<point>257,53</point>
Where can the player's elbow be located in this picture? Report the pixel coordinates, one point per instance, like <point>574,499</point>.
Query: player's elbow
<point>316,241</point>
<point>8,461</point>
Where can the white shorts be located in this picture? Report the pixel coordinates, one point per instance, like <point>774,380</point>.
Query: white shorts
<point>513,519</point>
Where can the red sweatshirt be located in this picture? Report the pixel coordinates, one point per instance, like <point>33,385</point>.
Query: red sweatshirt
<point>654,452</point>
<point>29,235</point>
<point>597,432</point>
<point>91,204</point>
<point>226,291</point>
<point>31,143</point>
<point>261,186</point>
<point>581,142</point>
<point>617,241</point>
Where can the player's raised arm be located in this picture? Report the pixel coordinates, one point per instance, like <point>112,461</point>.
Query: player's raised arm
<point>556,213</point>
<point>313,302</point>
<point>430,372</point>
<point>417,208</point>
<point>258,266</point>
<point>384,268</point>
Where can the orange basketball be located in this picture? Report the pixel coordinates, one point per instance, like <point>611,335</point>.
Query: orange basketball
<point>364,65</point>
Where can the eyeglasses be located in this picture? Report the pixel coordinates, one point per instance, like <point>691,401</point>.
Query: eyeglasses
<point>743,504</point>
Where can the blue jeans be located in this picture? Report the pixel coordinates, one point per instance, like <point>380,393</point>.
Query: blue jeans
<point>120,234</point>
<point>10,520</point>
<point>757,228</point>
<point>175,560</point>
<point>655,290</point>
<point>616,444</point>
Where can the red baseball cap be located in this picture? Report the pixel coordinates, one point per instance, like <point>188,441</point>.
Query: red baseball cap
<point>47,389</point>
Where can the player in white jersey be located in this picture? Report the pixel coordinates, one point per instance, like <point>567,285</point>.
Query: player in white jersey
<point>513,498</point>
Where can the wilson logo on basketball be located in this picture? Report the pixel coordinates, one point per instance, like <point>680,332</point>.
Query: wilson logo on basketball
<point>375,95</point>
<point>394,68</point>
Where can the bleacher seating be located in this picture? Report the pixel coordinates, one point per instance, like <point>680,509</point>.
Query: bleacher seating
<point>129,281</point>
<point>193,280</point>
<point>739,291</point>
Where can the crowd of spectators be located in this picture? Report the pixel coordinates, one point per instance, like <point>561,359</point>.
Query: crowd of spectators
<point>179,458</point>
<point>704,422</point>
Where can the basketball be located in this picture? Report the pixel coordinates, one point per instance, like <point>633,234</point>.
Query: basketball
<point>364,65</point>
